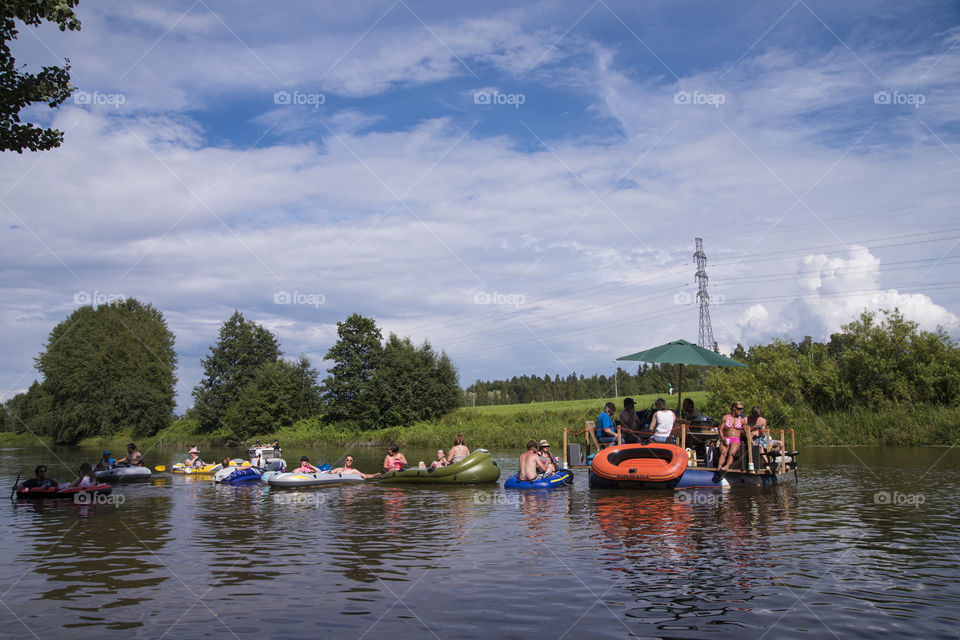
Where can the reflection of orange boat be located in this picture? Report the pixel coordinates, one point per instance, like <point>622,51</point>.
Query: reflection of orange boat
<point>647,463</point>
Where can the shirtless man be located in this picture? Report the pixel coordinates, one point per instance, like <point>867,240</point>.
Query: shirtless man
<point>531,466</point>
<point>133,456</point>
<point>348,468</point>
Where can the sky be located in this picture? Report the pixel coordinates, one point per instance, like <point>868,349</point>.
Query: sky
<point>520,183</point>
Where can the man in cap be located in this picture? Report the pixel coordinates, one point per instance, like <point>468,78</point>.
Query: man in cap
<point>606,432</point>
<point>105,462</point>
<point>546,457</point>
<point>133,456</point>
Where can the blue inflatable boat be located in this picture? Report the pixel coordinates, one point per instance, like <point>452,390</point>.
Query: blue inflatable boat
<point>561,478</point>
<point>238,475</point>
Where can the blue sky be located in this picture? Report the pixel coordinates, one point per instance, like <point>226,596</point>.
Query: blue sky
<point>519,183</point>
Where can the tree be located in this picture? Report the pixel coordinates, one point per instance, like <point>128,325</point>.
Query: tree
<point>20,88</point>
<point>355,356</point>
<point>242,347</point>
<point>106,369</point>
<point>410,384</point>
<point>279,394</point>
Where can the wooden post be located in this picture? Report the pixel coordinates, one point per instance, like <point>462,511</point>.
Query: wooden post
<point>566,452</point>
<point>683,436</point>
<point>619,435</point>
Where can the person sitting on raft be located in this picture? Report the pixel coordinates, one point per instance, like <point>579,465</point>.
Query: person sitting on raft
<point>305,466</point>
<point>394,460</point>
<point>458,451</point>
<point>194,459</point>
<point>86,477</point>
<point>531,466</point>
<point>606,432</point>
<point>760,435</point>
<point>40,479</point>
<point>662,423</point>
<point>441,461</point>
<point>347,468</point>
<point>106,462</point>
<point>731,428</point>
<point>133,457</point>
<point>630,421</point>
<point>543,450</point>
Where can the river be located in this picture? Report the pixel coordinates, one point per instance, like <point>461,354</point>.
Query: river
<point>863,545</point>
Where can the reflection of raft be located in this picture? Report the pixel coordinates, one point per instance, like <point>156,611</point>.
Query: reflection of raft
<point>123,472</point>
<point>67,492</point>
<point>648,466</point>
<point>561,478</point>
<point>476,468</point>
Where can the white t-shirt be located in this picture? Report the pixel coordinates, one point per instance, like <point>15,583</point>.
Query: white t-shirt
<point>665,420</point>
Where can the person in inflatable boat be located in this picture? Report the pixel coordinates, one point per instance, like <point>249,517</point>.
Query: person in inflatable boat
<point>106,462</point>
<point>394,460</point>
<point>40,479</point>
<point>531,466</point>
<point>86,477</point>
<point>546,457</point>
<point>348,468</point>
<point>305,466</point>
<point>133,456</point>
<point>194,459</point>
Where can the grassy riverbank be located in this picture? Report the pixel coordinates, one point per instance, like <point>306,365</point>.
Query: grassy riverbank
<point>510,426</point>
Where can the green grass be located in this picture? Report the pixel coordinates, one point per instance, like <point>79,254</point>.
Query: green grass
<point>510,426</point>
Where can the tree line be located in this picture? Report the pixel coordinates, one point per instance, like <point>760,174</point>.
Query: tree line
<point>111,369</point>
<point>655,378</point>
<point>878,361</point>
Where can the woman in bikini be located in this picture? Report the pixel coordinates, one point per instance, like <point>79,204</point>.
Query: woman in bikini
<point>458,451</point>
<point>731,428</point>
<point>394,460</point>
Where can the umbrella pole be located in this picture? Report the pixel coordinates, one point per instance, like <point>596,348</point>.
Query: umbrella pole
<point>679,390</point>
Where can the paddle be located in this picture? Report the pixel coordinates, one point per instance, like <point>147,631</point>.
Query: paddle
<point>14,490</point>
<point>160,467</point>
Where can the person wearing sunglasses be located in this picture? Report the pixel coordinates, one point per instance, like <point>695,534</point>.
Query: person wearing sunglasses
<point>347,468</point>
<point>731,429</point>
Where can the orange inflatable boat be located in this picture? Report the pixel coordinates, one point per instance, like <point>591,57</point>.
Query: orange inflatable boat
<point>648,464</point>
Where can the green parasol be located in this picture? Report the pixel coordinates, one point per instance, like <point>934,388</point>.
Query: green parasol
<point>682,352</point>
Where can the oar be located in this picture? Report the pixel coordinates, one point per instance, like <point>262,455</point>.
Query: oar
<point>159,467</point>
<point>14,490</point>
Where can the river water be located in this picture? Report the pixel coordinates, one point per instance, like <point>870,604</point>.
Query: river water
<point>864,544</point>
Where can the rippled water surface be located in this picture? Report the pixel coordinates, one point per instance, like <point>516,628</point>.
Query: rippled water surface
<point>864,544</point>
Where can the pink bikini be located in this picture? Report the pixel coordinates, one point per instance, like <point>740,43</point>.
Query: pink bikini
<point>730,424</point>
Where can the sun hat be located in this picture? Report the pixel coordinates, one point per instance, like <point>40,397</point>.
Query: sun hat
<point>194,450</point>
<point>544,443</point>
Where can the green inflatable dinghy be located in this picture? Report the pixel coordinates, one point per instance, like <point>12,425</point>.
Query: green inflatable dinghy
<point>476,468</point>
